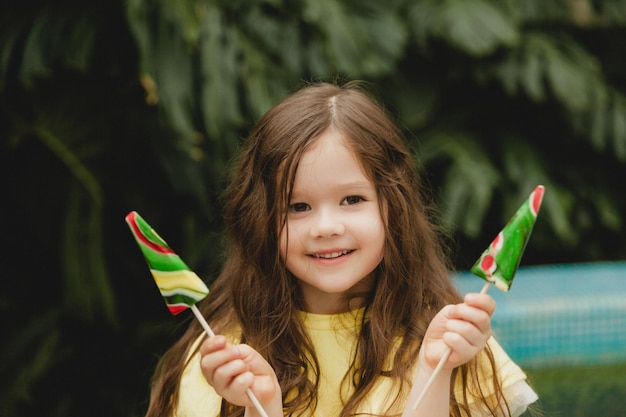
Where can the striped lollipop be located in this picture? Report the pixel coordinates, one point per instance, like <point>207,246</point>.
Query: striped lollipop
<point>499,262</point>
<point>180,287</point>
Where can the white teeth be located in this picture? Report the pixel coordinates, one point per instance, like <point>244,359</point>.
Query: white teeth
<point>332,254</point>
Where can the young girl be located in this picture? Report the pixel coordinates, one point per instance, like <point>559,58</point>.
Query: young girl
<point>335,298</point>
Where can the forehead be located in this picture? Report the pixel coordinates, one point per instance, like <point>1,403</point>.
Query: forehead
<point>329,144</point>
<point>330,162</point>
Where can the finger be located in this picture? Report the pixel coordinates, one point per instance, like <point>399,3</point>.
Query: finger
<point>228,372</point>
<point>468,331</point>
<point>461,349</point>
<point>251,356</point>
<point>482,301</point>
<point>241,382</point>
<point>212,362</point>
<point>245,351</point>
<point>213,344</point>
<point>478,317</point>
<point>448,311</point>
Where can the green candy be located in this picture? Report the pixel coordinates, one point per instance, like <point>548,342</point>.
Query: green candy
<point>499,262</point>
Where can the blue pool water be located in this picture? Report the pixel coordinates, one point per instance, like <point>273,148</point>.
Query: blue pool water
<point>560,315</point>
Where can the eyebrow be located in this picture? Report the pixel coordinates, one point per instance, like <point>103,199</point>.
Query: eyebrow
<point>351,186</point>
<point>356,184</point>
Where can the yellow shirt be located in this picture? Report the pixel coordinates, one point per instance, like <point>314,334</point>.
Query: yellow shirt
<point>334,337</point>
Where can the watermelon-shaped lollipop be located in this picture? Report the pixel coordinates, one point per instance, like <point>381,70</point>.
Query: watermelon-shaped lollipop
<point>500,260</point>
<point>180,287</point>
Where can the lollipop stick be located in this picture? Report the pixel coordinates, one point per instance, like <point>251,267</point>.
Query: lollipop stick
<point>442,361</point>
<point>202,321</point>
<point>208,331</point>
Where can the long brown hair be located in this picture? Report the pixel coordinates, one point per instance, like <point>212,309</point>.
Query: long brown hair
<point>256,297</point>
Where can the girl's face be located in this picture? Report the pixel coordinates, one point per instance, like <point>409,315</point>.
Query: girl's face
<point>335,235</point>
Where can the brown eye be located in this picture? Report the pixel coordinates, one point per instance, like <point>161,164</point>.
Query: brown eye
<point>299,207</point>
<point>353,199</point>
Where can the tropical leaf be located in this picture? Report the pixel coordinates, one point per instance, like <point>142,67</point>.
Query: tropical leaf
<point>539,12</point>
<point>361,41</point>
<point>571,72</point>
<point>27,357</point>
<point>469,182</point>
<point>608,214</point>
<point>618,131</point>
<point>138,15</point>
<point>604,123</point>
<point>277,32</point>
<point>544,65</point>
<point>557,67</point>
<point>72,161</point>
<point>87,288</point>
<point>611,12</point>
<point>53,36</point>
<point>261,85</point>
<point>598,123</point>
<point>477,27</point>
<point>10,34</point>
<point>523,167</point>
<point>218,65</point>
<point>165,61</point>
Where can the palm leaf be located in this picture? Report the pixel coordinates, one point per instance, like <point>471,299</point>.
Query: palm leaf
<point>476,27</point>
<point>469,180</point>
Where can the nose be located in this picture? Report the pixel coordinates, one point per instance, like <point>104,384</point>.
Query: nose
<point>326,223</point>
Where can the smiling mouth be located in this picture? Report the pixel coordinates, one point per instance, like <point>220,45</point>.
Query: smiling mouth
<point>331,255</point>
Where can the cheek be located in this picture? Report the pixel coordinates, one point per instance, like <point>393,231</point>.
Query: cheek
<point>379,235</point>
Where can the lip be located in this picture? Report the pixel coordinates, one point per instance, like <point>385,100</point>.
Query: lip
<point>331,254</point>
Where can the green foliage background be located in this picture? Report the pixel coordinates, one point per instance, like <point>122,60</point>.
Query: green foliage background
<point>110,106</point>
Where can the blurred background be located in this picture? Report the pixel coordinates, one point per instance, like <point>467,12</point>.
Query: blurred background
<point>108,106</point>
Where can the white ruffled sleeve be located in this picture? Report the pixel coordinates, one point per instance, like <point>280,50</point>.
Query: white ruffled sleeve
<point>519,396</point>
<point>515,389</point>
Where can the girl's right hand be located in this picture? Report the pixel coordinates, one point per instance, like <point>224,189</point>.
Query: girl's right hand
<point>232,369</point>
<point>464,328</point>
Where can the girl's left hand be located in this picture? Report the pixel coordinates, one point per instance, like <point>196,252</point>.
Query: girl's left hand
<point>465,328</point>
